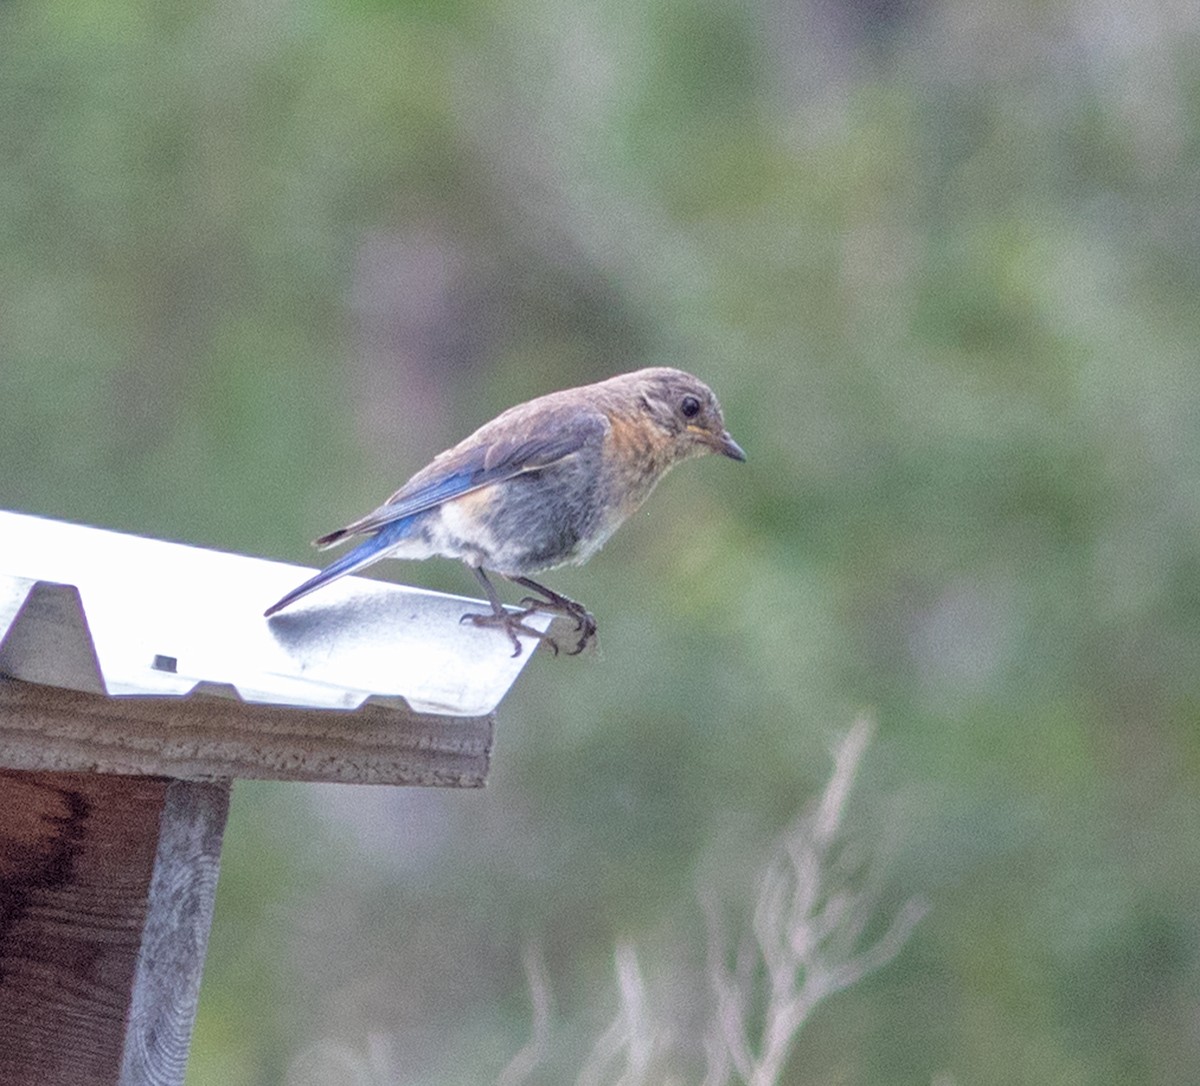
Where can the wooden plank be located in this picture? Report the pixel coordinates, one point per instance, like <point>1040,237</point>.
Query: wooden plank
<point>203,737</point>
<point>183,888</point>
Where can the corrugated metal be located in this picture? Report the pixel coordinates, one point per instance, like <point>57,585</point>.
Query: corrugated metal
<point>102,611</point>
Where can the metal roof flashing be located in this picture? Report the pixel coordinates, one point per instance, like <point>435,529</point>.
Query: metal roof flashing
<point>105,612</point>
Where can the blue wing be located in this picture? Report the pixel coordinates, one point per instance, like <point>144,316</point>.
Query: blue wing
<point>491,455</point>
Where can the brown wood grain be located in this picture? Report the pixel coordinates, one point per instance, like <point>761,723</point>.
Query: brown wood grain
<point>78,854</point>
<point>106,893</point>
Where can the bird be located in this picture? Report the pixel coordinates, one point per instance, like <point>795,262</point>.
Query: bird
<point>543,485</point>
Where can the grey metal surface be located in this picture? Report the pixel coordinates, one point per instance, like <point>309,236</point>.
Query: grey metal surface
<point>101,611</point>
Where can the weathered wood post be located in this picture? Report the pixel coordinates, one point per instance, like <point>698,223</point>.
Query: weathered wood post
<point>137,680</point>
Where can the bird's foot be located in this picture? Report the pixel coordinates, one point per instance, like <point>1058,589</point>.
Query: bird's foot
<point>512,623</point>
<point>585,622</point>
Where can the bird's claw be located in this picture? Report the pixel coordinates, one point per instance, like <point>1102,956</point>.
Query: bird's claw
<point>585,621</point>
<point>548,601</point>
<point>512,623</point>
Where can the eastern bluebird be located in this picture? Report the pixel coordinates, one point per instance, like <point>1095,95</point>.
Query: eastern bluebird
<point>542,485</point>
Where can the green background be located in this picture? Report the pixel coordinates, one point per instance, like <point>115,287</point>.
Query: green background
<point>941,263</point>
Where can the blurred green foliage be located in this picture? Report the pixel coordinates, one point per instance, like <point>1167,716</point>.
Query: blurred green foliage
<point>259,261</point>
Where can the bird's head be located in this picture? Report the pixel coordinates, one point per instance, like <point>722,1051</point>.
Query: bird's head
<point>684,408</point>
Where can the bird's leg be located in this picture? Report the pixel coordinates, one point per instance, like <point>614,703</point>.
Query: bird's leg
<point>511,622</point>
<point>585,623</point>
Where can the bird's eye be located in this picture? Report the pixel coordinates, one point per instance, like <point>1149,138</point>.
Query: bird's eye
<point>689,407</point>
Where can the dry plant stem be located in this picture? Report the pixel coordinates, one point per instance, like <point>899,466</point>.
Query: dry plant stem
<point>805,931</point>
<point>632,1034</point>
<point>522,1065</point>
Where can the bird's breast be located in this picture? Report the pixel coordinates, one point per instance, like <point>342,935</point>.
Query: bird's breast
<point>636,456</point>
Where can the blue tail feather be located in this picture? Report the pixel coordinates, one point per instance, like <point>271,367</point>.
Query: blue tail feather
<point>368,551</point>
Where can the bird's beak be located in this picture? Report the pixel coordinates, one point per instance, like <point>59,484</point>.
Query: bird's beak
<point>722,443</point>
<point>728,447</point>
